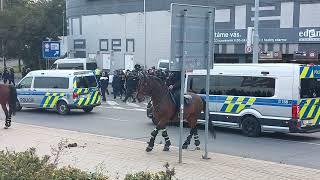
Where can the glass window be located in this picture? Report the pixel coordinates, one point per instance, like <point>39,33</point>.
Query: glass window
<point>164,65</point>
<point>26,83</point>
<point>51,83</point>
<point>77,66</point>
<point>233,85</point>
<point>310,88</point>
<point>86,82</point>
<point>91,66</point>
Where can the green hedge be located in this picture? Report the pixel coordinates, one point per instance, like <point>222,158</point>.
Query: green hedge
<point>27,165</point>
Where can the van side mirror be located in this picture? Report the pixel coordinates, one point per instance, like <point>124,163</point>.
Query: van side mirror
<point>18,86</point>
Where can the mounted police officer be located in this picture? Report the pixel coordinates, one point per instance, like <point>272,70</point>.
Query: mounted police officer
<point>174,84</point>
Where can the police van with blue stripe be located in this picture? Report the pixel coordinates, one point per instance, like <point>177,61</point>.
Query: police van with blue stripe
<point>61,90</point>
<point>261,97</point>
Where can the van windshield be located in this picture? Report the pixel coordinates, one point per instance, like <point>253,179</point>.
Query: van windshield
<point>86,81</point>
<point>78,66</point>
<point>91,66</point>
<point>164,65</point>
<point>310,88</point>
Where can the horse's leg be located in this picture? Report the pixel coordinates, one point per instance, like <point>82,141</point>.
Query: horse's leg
<point>196,139</point>
<point>8,118</point>
<point>154,134</point>
<point>187,142</point>
<point>167,140</point>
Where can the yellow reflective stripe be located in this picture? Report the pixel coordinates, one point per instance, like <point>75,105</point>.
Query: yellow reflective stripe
<point>240,100</point>
<point>94,98</point>
<point>304,107</point>
<point>75,84</point>
<point>87,101</point>
<point>46,103</point>
<point>251,101</point>
<point>79,91</point>
<point>229,108</point>
<point>54,102</point>
<point>229,99</point>
<point>304,72</point>
<point>80,101</point>
<point>313,107</point>
<point>240,108</point>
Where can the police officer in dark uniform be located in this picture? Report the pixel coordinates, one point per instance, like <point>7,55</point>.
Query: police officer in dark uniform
<point>131,86</point>
<point>104,81</point>
<point>175,86</point>
<point>5,75</point>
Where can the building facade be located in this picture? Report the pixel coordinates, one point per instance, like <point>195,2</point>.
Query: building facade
<point>113,31</point>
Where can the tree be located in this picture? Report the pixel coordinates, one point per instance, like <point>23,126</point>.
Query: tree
<point>25,24</point>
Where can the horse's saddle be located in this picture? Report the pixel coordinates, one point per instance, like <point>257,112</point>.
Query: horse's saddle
<point>187,99</point>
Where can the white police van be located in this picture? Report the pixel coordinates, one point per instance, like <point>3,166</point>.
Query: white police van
<point>261,97</point>
<point>61,90</point>
<point>75,64</point>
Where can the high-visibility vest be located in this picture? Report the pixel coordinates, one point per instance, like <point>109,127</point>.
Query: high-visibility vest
<point>98,72</point>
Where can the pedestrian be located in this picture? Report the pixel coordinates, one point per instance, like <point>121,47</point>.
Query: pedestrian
<point>116,84</point>
<point>5,76</point>
<point>11,77</point>
<point>104,85</point>
<point>23,72</point>
<point>122,84</point>
<point>98,75</point>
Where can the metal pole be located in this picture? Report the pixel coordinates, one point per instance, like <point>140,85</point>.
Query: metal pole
<point>2,45</point>
<point>63,26</point>
<point>182,83</point>
<point>1,4</point>
<point>145,34</point>
<point>256,50</point>
<point>209,61</point>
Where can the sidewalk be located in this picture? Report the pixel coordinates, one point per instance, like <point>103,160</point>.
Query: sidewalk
<point>121,156</point>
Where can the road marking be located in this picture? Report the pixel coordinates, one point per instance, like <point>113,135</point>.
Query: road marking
<point>121,108</point>
<point>112,103</point>
<point>132,104</point>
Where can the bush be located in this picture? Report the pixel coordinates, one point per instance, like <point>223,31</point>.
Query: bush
<point>27,165</point>
<point>163,175</point>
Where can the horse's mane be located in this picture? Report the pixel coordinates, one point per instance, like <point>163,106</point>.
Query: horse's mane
<point>157,79</point>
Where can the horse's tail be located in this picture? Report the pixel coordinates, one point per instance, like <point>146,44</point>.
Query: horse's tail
<point>211,127</point>
<point>13,99</point>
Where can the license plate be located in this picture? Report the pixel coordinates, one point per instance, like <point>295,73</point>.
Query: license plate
<point>307,122</point>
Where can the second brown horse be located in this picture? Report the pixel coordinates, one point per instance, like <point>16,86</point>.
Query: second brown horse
<point>164,110</point>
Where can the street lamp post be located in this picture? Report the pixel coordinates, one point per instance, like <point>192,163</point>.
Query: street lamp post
<point>145,34</point>
<point>256,50</point>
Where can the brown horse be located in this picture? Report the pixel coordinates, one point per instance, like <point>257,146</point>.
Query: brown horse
<point>8,96</point>
<point>165,110</point>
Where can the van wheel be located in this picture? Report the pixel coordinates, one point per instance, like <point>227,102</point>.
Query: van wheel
<point>88,109</point>
<point>251,126</point>
<point>62,108</point>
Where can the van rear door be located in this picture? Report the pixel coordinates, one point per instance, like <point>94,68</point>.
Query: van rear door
<point>86,91</point>
<point>309,96</point>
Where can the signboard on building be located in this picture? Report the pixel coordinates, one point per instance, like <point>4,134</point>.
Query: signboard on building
<point>50,49</point>
<point>189,37</point>
<point>270,56</point>
<point>270,35</point>
<point>305,56</point>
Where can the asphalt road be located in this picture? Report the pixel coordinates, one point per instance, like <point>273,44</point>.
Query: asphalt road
<point>129,121</point>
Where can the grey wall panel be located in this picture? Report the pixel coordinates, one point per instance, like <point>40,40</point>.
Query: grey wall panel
<point>309,15</point>
<point>240,17</point>
<point>286,19</point>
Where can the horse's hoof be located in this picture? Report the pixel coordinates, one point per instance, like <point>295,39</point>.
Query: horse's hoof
<point>6,127</point>
<point>149,149</point>
<point>166,148</point>
<point>185,147</point>
<point>197,148</point>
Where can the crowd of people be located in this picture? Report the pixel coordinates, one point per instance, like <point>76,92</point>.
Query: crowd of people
<point>124,83</point>
<point>8,75</point>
